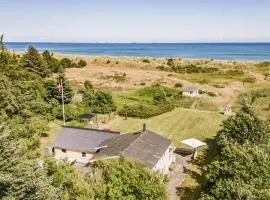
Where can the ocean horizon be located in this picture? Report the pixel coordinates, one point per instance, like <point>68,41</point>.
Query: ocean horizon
<point>251,51</point>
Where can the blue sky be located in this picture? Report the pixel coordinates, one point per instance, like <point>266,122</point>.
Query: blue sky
<point>135,21</point>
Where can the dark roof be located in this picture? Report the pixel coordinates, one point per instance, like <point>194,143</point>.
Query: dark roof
<point>145,146</point>
<point>87,116</point>
<point>190,88</point>
<point>82,139</point>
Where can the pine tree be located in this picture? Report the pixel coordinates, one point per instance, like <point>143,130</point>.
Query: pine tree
<point>20,177</point>
<point>33,62</point>
<point>53,93</point>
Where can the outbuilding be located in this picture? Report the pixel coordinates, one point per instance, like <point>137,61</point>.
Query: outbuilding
<point>191,91</point>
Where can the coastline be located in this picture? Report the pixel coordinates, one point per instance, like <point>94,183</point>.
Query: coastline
<point>251,52</point>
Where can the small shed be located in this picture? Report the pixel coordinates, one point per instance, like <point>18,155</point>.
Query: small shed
<point>87,116</point>
<point>191,91</point>
<point>194,144</point>
<point>228,110</point>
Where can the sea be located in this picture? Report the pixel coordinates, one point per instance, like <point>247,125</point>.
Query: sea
<point>219,51</point>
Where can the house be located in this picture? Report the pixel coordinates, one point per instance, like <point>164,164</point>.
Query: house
<point>191,91</point>
<point>79,144</point>
<point>87,145</point>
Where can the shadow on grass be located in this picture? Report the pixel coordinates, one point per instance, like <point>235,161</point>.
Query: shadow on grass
<point>199,175</point>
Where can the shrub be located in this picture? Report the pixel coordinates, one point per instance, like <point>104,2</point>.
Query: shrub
<point>145,110</point>
<point>178,85</point>
<point>108,62</point>
<point>161,68</point>
<point>193,69</point>
<point>88,85</point>
<point>82,63</point>
<point>211,94</point>
<point>142,83</point>
<point>66,63</point>
<point>125,179</point>
<point>263,65</point>
<point>160,96</point>
<point>218,86</point>
<point>71,112</point>
<point>250,79</point>
<point>146,60</point>
<point>170,62</point>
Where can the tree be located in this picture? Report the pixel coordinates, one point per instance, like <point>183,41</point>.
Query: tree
<point>99,102</point>
<point>2,45</point>
<point>33,62</point>
<point>125,179</point>
<point>66,63</point>
<point>160,96</point>
<point>72,183</point>
<point>245,127</point>
<point>53,64</point>
<point>21,178</point>
<point>53,93</point>
<point>240,169</point>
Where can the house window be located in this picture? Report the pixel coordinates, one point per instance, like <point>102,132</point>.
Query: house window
<point>64,150</point>
<point>83,155</point>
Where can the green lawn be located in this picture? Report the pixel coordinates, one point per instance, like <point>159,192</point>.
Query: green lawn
<point>177,125</point>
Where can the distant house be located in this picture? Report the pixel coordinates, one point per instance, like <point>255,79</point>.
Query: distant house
<point>191,91</point>
<point>87,145</point>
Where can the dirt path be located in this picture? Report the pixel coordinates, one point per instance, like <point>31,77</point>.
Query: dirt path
<point>177,175</point>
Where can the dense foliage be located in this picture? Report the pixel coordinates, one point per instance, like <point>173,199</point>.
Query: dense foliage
<point>53,93</point>
<point>28,100</point>
<point>154,100</point>
<point>21,177</point>
<point>240,169</point>
<point>123,179</point>
<point>98,101</point>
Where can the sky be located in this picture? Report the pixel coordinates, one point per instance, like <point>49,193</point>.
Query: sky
<point>135,21</point>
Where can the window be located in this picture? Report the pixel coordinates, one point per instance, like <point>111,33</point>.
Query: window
<point>64,150</point>
<point>83,155</point>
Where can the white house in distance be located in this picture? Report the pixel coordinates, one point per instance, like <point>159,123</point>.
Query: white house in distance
<point>85,146</point>
<point>191,91</point>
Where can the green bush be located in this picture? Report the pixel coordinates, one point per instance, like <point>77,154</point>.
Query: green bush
<point>88,85</point>
<point>82,63</point>
<point>66,63</point>
<point>211,94</point>
<point>71,112</point>
<point>145,110</point>
<point>218,86</point>
<point>263,65</point>
<point>160,96</point>
<point>250,79</point>
<point>99,102</point>
<point>178,85</point>
<point>193,69</point>
<point>146,60</point>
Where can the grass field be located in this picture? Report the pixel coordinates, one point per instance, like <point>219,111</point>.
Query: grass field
<point>177,125</point>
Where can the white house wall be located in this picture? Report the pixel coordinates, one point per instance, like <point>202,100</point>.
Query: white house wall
<point>59,154</point>
<point>165,161</point>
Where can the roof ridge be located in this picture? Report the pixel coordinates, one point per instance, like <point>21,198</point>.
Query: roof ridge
<point>138,132</point>
<point>91,129</point>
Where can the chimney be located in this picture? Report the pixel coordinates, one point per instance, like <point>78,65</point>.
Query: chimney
<point>144,127</point>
